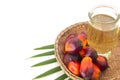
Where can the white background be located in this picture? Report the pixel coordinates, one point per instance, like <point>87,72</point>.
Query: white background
<point>27,24</point>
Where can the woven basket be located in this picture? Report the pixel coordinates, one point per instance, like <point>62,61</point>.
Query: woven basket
<point>112,73</point>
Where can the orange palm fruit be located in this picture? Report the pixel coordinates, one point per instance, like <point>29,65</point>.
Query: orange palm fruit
<point>74,67</point>
<point>82,37</point>
<point>86,68</point>
<point>96,73</point>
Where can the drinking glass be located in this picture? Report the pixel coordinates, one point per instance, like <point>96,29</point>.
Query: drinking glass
<point>103,29</point>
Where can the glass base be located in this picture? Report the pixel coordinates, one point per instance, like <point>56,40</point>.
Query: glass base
<point>107,54</point>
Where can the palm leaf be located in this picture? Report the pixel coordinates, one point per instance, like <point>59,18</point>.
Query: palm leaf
<point>44,54</point>
<point>62,77</point>
<point>45,47</point>
<point>45,62</point>
<point>49,72</point>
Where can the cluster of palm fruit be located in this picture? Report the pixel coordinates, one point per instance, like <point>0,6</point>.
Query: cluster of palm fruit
<point>81,59</point>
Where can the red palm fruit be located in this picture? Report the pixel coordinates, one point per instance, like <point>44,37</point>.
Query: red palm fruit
<point>96,73</point>
<point>71,57</point>
<point>62,46</point>
<point>74,67</point>
<point>73,45</point>
<point>88,51</point>
<point>82,37</point>
<point>86,68</point>
<point>70,36</point>
<point>101,62</point>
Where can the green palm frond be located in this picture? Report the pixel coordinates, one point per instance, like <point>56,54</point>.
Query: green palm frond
<point>44,54</point>
<point>49,72</point>
<point>49,61</point>
<point>45,62</point>
<point>45,47</point>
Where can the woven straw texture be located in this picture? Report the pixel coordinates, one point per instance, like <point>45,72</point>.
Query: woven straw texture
<point>112,73</point>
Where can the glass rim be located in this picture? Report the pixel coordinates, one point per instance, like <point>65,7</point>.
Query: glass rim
<point>90,13</point>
